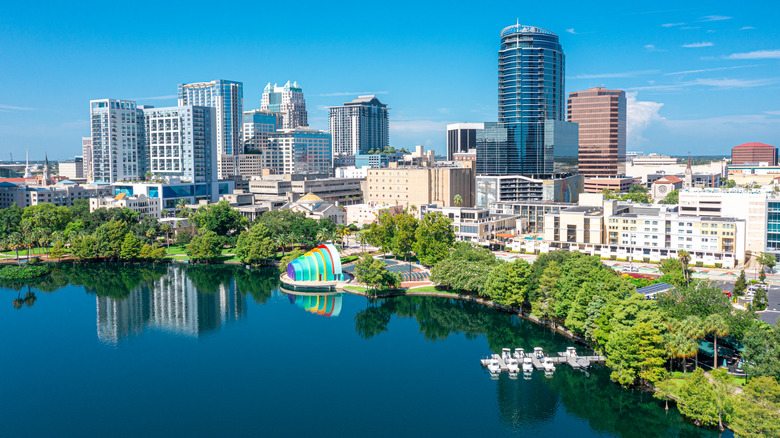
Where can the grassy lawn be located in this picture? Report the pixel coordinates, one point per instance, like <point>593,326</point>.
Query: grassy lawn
<point>431,289</point>
<point>356,288</point>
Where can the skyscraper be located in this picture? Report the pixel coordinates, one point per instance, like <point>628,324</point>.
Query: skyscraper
<point>531,136</point>
<point>228,99</point>
<point>181,143</point>
<point>462,137</point>
<point>117,141</point>
<point>288,101</point>
<point>359,126</point>
<point>303,150</point>
<point>86,153</point>
<point>601,116</point>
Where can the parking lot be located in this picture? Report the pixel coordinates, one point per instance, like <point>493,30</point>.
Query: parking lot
<point>772,312</point>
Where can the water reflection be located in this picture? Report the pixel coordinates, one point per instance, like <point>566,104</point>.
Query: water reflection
<point>172,303</point>
<point>324,305</point>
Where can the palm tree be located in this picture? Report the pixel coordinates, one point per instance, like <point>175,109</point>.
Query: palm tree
<point>717,325</point>
<point>457,200</point>
<point>682,347</point>
<point>16,241</point>
<point>694,329</point>
<point>685,258</point>
<point>361,239</point>
<point>324,235</point>
<point>166,228</point>
<point>281,241</point>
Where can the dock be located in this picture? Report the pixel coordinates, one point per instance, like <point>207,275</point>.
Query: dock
<point>568,357</point>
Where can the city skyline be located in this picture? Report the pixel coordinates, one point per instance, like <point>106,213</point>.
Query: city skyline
<point>699,78</point>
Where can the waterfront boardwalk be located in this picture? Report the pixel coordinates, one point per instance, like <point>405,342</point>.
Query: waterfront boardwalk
<point>568,358</point>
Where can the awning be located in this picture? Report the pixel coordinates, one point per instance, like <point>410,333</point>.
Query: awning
<point>505,235</point>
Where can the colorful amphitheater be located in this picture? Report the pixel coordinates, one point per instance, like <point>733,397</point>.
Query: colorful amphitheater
<point>322,264</point>
<point>324,305</point>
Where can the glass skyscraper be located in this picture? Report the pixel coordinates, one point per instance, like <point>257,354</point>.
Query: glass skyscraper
<point>531,107</point>
<point>228,99</point>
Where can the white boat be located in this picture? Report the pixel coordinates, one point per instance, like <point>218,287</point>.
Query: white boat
<point>549,366</point>
<point>505,354</point>
<point>538,353</point>
<point>571,352</point>
<point>512,365</point>
<point>493,366</point>
<point>519,354</point>
<point>528,365</point>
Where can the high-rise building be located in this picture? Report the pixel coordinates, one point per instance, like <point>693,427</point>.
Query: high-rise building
<point>303,150</point>
<point>117,140</point>
<point>461,138</point>
<point>288,101</point>
<point>754,153</point>
<point>258,124</point>
<point>86,153</point>
<point>531,135</point>
<point>601,116</point>
<point>181,143</point>
<point>359,126</point>
<point>227,97</point>
<point>71,169</point>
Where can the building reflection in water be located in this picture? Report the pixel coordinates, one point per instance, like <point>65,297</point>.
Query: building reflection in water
<point>325,305</point>
<point>172,304</point>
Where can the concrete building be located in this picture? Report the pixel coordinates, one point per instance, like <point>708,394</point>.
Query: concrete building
<point>316,208</point>
<point>416,186</point>
<point>462,138</point>
<point>303,150</point>
<point>141,204</point>
<point>181,143</point>
<point>174,191</point>
<point>364,214</point>
<point>654,160</point>
<point>351,172</point>
<point>339,191</point>
<point>754,153</point>
<point>476,225</point>
<point>377,161</point>
<point>72,169</point>
<point>697,179</point>
<point>754,174</point>
<point>663,186</point>
<point>267,162</point>
<point>86,156</point>
<point>747,205</point>
<point>656,164</point>
<point>518,188</point>
<point>601,116</point>
<point>359,126</point>
<point>117,141</point>
<point>614,184</point>
<point>530,215</point>
<point>62,194</point>
<point>627,231</point>
<point>288,102</point>
<point>227,98</point>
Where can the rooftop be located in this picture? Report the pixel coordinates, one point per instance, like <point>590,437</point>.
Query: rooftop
<point>753,145</point>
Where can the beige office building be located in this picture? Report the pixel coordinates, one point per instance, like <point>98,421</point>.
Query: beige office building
<point>601,116</point>
<point>418,186</point>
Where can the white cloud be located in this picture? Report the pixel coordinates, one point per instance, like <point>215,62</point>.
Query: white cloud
<point>704,70</point>
<point>352,93</point>
<point>746,28</point>
<point>690,27</point>
<point>698,45</point>
<point>672,24</point>
<point>639,115</point>
<point>715,18</point>
<point>757,54</point>
<point>626,74</point>
<point>653,48</point>
<point>774,113</point>
<point>715,83</point>
<point>10,108</point>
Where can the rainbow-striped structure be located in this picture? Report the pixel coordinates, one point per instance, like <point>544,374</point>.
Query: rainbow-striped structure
<point>325,305</point>
<point>323,263</point>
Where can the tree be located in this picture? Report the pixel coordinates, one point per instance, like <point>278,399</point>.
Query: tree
<point>740,286</point>
<point>672,198</point>
<point>673,271</point>
<point>131,247</point>
<point>724,387</point>
<point>636,354</point>
<point>220,218</point>
<point>465,269</point>
<point>457,200</point>
<point>294,254</point>
<point>637,188</point>
<point>760,299</point>
<point>757,409</point>
<point>109,238</point>
<point>434,238</point>
<point>547,289</point>
<point>374,274</point>
<point>205,247</point>
<point>84,248</point>
<point>693,328</point>
<point>404,235</point>
<point>685,258</point>
<point>701,298</point>
<point>718,326</point>
<point>10,220</point>
<point>46,216</point>
<point>507,283</point>
<point>698,400</point>
<point>255,246</point>
<point>58,250</point>
<point>762,350</point>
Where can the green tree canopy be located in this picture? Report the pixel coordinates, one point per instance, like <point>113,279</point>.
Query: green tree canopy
<point>507,283</point>
<point>205,247</point>
<point>433,238</point>
<point>220,218</point>
<point>255,246</point>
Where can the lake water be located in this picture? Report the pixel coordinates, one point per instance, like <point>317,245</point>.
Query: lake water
<point>142,350</point>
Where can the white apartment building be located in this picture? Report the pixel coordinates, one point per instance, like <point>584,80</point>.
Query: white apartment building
<point>476,225</point>
<point>351,172</point>
<point>364,214</point>
<point>303,150</point>
<point>288,102</point>
<point>141,204</point>
<point>181,143</point>
<point>117,141</point>
<point>86,155</point>
<point>64,193</point>
<point>359,126</point>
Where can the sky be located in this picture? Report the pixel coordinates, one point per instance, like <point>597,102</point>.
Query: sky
<point>701,76</point>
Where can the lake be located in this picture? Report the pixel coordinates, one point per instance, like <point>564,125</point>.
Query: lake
<point>179,350</point>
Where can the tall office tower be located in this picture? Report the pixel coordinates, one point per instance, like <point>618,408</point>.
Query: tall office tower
<point>117,144</point>
<point>531,136</point>
<point>359,126</point>
<point>303,150</point>
<point>228,99</point>
<point>462,137</point>
<point>181,143</point>
<point>86,153</point>
<point>601,116</point>
<point>258,126</point>
<point>753,153</point>
<point>287,101</point>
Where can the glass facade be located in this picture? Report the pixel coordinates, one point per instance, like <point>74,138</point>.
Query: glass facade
<point>773,227</point>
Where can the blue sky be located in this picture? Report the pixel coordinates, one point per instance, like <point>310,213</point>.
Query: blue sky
<point>702,75</point>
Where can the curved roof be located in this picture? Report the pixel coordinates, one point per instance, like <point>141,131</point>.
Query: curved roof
<point>310,197</point>
<point>66,182</point>
<point>754,145</point>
